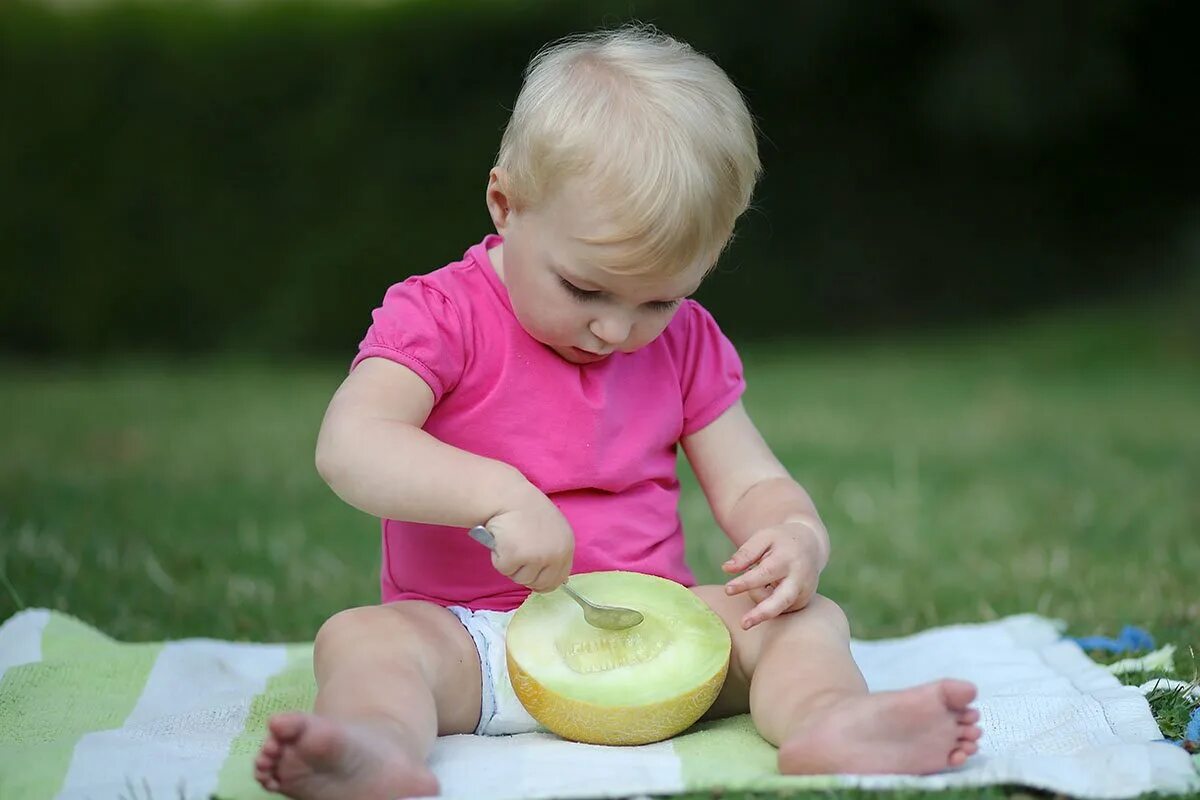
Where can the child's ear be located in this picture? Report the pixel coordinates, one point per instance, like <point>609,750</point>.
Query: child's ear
<point>498,203</point>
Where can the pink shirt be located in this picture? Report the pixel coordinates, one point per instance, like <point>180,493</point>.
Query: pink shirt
<point>599,439</point>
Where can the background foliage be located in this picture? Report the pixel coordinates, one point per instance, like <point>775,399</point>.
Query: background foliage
<point>209,176</point>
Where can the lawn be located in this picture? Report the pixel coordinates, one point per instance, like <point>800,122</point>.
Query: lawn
<point>1049,465</point>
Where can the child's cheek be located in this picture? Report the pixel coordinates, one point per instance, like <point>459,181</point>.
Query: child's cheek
<point>646,334</point>
<point>564,321</point>
<point>549,324</point>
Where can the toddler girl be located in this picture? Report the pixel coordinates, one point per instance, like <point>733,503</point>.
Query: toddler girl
<point>540,386</point>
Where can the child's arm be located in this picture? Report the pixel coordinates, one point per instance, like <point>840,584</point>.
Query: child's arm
<point>373,453</point>
<point>782,543</point>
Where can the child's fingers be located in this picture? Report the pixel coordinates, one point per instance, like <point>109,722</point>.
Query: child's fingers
<point>758,595</point>
<point>543,581</point>
<point>525,575</point>
<point>560,577</point>
<point>752,550</point>
<point>553,577</point>
<point>505,564</point>
<point>778,602</point>
<point>764,572</point>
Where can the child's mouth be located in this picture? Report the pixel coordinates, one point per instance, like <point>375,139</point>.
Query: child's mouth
<point>586,356</point>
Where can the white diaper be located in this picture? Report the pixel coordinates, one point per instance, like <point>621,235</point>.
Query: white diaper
<point>501,713</point>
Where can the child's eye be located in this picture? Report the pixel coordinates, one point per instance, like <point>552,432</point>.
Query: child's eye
<point>662,305</point>
<point>580,294</point>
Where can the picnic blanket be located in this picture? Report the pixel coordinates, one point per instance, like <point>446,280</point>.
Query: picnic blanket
<point>85,716</point>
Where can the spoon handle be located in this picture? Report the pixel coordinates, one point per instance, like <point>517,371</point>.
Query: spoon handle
<point>585,603</point>
<point>483,536</point>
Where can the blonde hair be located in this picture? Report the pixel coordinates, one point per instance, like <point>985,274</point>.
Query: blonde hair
<point>656,127</point>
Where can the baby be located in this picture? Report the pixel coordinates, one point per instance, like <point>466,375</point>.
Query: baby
<point>540,386</point>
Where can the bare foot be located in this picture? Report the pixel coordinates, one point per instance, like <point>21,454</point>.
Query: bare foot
<point>915,731</point>
<point>314,758</point>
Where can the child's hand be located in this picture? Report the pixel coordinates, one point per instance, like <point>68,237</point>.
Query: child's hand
<point>534,543</point>
<point>779,567</point>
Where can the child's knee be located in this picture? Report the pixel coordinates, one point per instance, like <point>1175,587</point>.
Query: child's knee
<point>338,634</point>
<point>829,614</point>
<point>358,631</point>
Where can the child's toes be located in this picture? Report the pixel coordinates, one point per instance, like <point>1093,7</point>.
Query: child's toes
<point>286,727</point>
<point>956,694</point>
<point>969,733</point>
<point>968,717</point>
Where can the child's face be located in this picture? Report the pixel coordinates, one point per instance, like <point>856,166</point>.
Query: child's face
<point>560,297</point>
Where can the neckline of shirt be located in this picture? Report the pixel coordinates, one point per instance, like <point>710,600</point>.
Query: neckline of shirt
<point>479,256</point>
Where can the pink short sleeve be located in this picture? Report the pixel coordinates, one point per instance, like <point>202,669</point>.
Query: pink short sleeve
<point>712,378</point>
<point>417,326</point>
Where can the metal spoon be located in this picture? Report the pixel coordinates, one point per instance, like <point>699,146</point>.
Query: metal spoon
<point>610,618</point>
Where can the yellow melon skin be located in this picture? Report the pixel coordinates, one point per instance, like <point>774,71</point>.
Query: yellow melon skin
<point>614,725</point>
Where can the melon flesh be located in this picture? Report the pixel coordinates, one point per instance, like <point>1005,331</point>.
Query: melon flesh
<point>635,686</point>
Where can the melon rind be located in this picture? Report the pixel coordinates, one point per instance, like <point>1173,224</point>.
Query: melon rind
<point>613,707</point>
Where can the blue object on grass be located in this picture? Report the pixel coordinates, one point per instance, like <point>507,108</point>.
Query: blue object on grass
<point>1132,639</point>
<point>1193,727</point>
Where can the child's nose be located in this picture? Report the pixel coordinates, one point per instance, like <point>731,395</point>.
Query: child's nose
<point>612,329</point>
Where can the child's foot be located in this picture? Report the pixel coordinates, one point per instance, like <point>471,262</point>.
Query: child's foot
<point>313,758</point>
<point>914,731</point>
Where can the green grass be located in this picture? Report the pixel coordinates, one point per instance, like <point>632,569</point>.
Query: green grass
<point>1051,466</point>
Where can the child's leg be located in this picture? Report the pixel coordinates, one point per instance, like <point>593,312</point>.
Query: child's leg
<point>389,680</point>
<point>796,677</point>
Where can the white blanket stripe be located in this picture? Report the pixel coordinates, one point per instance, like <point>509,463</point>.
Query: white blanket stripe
<point>22,640</point>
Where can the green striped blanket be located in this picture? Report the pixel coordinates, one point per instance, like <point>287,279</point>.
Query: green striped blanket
<point>84,716</point>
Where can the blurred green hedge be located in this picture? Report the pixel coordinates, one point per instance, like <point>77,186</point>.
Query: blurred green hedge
<point>220,176</point>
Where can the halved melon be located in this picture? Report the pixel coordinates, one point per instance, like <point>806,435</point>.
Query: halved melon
<point>635,686</point>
